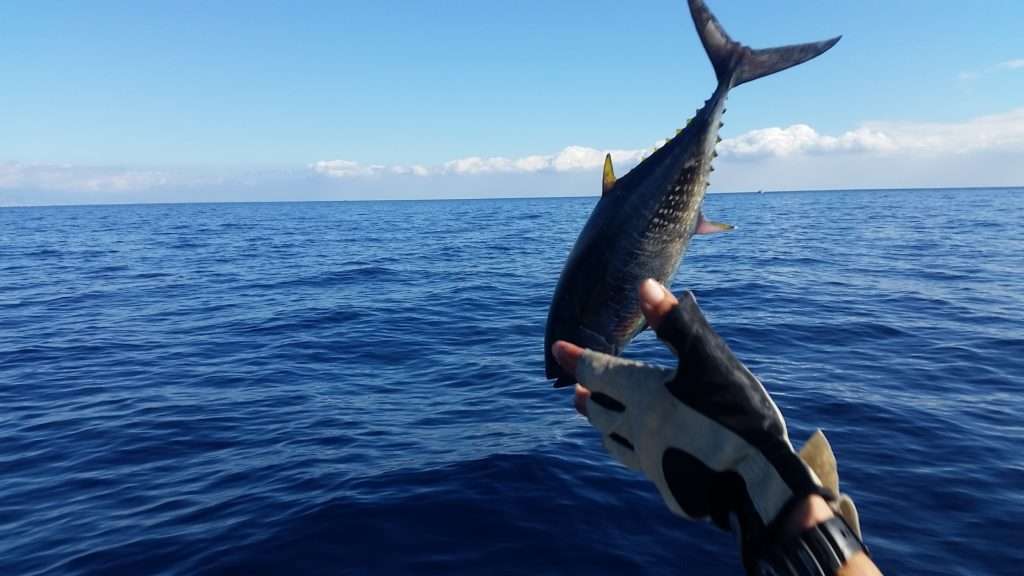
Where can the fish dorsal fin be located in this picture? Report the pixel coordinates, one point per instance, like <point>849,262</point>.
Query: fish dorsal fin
<point>608,179</point>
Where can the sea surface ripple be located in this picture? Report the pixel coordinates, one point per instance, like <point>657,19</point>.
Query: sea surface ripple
<point>357,387</point>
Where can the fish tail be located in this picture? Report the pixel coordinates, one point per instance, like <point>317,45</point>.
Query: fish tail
<point>735,63</point>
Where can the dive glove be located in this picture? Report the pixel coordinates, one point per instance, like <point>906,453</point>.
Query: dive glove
<point>707,434</point>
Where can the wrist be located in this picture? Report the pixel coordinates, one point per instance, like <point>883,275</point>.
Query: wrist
<point>810,539</point>
<point>804,514</point>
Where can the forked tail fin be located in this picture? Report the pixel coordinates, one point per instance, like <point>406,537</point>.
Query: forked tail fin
<point>737,63</point>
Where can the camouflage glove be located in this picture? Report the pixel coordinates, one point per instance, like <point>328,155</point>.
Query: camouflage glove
<point>707,434</point>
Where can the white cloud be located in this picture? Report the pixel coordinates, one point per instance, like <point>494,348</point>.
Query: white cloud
<point>802,139</point>
<point>972,75</point>
<point>974,152</point>
<point>347,168</point>
<point>583,158</point>
<point>996,132</point>
<point>1012,64</point>
<point>1000,132</point>
<point>478,165</point>
<point>982,151</point>
<point>569,159</point>
<point>16,175</point>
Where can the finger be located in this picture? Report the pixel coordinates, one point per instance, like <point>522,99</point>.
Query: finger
<point>655,301</point>
<point>681,323</point>
<point>603,373</point>
<point>567,355</point>
<point>580,399</point>
<point>621,380</point>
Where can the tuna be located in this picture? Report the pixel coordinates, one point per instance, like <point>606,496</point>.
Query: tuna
<point>642,224</point>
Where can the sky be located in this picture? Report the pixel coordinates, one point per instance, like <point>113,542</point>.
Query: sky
<point>232,101</point>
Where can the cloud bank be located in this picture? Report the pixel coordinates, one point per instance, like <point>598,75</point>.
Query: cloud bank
<point>982,151</point>
<point>569,159</point>
<point>70,177</point>
<point>1001,132</point>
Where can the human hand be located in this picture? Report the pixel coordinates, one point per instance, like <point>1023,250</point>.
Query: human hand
<point>707,434</point>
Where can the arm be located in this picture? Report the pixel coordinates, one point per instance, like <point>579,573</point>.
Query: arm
<point>711,439</point>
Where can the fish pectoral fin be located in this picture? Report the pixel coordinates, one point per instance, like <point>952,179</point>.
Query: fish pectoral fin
<point>608,179</point>
<point>594,341</point>
<point>705,226</point>
<point>586,338</point>
<point>564,381</point>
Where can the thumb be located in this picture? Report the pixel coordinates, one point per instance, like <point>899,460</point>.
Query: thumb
<point>655,302</point>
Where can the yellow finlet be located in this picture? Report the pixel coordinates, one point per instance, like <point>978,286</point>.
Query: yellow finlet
<point>608,180</point>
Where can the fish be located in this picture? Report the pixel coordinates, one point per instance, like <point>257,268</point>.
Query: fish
<point>643,222</point>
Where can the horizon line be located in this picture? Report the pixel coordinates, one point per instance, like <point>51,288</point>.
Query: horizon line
<point>474,198</point>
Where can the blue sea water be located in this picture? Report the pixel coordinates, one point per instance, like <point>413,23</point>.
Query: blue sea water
<point>357,387</point>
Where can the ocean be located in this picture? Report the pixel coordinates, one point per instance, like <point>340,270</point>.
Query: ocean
<point>358,387</point>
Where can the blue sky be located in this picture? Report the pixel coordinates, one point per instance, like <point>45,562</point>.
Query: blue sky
<point>258,100</point>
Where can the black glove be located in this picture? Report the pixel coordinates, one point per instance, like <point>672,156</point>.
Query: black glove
<point>707,434</point>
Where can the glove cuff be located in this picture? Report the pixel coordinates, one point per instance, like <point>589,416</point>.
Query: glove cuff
<point>758,538</point>
<point>821,550</point>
